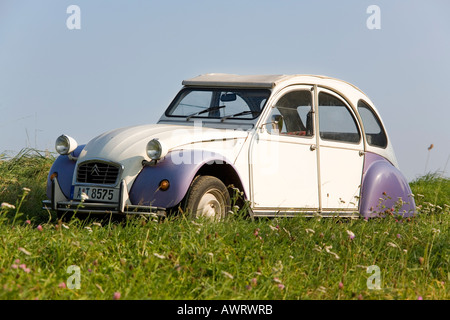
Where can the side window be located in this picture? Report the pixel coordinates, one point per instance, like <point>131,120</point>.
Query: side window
<point>375,134</point>
<point>294,115</point>
<point>336,123</point>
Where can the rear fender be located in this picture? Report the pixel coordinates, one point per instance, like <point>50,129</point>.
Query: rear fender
<point>384,188</point>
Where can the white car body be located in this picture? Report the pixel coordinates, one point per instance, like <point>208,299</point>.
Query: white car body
<point>279,173</point>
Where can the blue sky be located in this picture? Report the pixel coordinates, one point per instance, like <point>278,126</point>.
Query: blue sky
<point>126,63</point>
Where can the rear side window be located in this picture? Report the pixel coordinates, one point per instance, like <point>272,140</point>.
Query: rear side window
<point>375,134</point>
<point>336,122</point>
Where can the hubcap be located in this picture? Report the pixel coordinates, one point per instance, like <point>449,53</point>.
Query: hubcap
<point>209,205</point>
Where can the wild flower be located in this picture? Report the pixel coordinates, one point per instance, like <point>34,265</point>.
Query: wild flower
<point>351,235</point>
<point>226,274</point>
<point>280,286</point>
<point>26,189</point>
<point>327,249</point>
<point>28,221</point>
<point>434,230</point>
<point>14,266</point>
<point>84,197</point>
<point>39,227</point>
<point>17,261</point>
<point>7,205</point>
<point>399,235</point>
<point>62,285</point>
<point>24,251</point>
<point>116,296</point>
<point>391,244</point>
<point>273,228</point>
<point>254,282</point>
<point>419,298</point>
<point>341,285</point>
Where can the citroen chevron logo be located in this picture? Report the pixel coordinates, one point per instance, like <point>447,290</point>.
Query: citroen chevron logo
<point>95,171</point>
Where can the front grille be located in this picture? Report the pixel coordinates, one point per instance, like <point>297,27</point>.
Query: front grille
<point>97,172</point>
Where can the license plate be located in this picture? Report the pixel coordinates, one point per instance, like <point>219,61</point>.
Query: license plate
<point>96,194</point>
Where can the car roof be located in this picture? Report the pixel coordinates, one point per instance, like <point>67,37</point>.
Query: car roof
<point>262,81</point>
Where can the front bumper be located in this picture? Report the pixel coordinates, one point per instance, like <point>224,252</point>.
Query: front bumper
<point>60,203</point>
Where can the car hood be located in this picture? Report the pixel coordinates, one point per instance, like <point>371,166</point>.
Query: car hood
<point>127,146</point>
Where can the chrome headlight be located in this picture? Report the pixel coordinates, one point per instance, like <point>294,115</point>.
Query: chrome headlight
<point>65,144</point>
<point>155,149</point>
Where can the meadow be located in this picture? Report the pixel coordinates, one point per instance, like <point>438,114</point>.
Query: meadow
<point>42,257</point>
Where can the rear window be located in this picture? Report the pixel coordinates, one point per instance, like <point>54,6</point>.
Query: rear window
<point>375,134</point>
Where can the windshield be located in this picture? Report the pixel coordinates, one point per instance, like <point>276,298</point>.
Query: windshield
<point>217,103</point>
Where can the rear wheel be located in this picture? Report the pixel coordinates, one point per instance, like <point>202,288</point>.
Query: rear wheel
<point>208,197</point>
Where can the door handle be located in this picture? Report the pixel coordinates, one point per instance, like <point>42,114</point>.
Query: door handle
<point>312,147</point>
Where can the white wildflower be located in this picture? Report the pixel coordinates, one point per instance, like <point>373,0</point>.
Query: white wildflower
<point>289,234</point>
<point>310,230</point>
<point>391,244</point>
<point>25,251</point>
<point>327,249</point>
<point>273,228</point>
<point>88,229</point>
<point>159,256</point>
<point>7,205</point>
<point>229,275</point>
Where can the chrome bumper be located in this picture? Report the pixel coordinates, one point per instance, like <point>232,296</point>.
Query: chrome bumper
<point>60,203</point>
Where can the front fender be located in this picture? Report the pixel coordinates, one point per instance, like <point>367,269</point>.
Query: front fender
<point>382,188</point>
<point>64,168</point>
<point>180,168</point>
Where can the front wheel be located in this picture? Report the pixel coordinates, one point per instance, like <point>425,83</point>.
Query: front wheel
<point>208,197</point>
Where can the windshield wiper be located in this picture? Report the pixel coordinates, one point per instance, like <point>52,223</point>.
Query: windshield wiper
<point>239,114</point>
<point>204,111</point>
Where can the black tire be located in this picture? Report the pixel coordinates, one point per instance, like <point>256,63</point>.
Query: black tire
<point>207,197</point>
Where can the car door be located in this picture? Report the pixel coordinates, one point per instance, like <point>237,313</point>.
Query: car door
<point>283,158</point>
<point>341,154</point>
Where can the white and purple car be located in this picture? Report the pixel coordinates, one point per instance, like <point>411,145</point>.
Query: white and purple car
<point>291,144</point>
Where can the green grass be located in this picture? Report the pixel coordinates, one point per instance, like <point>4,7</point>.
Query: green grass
<point>283,258</point>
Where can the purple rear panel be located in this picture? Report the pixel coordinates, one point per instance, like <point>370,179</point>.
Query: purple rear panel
<point>384,188</point>
<point>145,189</point>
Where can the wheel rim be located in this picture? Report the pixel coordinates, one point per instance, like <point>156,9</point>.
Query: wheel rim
<point>211,205</point>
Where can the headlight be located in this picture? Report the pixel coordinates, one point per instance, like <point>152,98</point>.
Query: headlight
<point>65,144</point>
<point>155,149</point>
